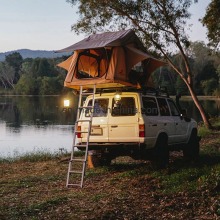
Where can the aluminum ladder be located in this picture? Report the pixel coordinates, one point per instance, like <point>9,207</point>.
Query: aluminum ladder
<point>77,167</point>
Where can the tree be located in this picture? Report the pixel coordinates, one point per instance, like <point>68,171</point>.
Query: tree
<point>212,21</point>
<point>160,24</point>
<point>7,75</point>
<point>15,60</point>
<point>26,85</point>
<point>50,85</point>
<point>204,64</point>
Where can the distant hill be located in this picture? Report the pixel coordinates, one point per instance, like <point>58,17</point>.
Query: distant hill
<point>26,53</point>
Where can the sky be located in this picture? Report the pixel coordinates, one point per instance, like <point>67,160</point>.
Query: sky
<point>46,24</point>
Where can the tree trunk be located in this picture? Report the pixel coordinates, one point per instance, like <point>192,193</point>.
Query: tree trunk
<point>200,107</point>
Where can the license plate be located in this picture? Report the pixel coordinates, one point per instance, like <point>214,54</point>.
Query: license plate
<point>96,131</point>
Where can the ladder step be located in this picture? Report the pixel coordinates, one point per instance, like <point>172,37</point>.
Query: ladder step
<point>76,171</point>
<point>78,160</point>
<point>86,107</point>
<point>88,93</point>
<point>73,184</point>
<point>84,120</point>
<point>80,145</point>
<point>81,132</point>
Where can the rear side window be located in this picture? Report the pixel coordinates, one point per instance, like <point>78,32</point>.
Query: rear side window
<point>100,108</point>
<point>150,106</point>
<point>124,107</point>
<point>173,108</point>
<point>163,106</point>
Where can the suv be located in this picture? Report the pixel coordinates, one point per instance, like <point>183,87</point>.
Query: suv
<point>143,125</point>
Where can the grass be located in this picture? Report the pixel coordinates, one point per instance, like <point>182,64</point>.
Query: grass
<point>30,157</point>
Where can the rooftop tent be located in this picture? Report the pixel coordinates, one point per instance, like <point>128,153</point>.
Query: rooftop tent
<point>107,60</point>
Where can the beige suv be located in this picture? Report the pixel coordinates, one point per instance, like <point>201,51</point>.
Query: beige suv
<point>142,125</point>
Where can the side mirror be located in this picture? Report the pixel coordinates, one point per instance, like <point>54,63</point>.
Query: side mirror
<point>183,115</point>
<point>184,112</point>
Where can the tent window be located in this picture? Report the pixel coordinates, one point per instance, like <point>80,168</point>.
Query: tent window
<point>93,63</point>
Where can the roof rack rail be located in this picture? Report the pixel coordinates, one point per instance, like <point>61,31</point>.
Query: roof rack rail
<point>161,91</point>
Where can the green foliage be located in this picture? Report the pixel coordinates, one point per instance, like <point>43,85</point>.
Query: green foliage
<point>209,86</point>
<point>15,60</point>
<point>216,92</point>
<point>41,67</point>
<point>181,87</point>
<point>203,131</point>
<point>49,85</point>
<point>212,20</point>
<point>26,85</point>
<point>40,77</point>
<point>7,75</point>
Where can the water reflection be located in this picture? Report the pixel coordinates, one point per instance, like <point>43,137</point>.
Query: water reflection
<point>211,106</point>
<point>35,123</point>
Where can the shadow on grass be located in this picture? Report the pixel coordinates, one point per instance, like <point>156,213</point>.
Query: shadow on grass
<point>203,160</point>
<point>178,164</point>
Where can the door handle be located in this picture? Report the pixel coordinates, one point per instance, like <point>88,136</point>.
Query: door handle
<point>114,126</point>
<point>154,125</point>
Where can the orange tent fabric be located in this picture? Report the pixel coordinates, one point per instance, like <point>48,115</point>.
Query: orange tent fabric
<point>107,60</point>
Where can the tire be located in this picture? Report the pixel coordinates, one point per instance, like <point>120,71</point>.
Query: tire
<point>161,153</point>
<point>191,149</point>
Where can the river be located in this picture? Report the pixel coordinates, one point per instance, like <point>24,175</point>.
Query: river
<point>33,124</point>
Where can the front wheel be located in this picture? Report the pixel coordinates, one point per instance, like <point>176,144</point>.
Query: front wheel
<point>161,153</point>
<point>191,150</point>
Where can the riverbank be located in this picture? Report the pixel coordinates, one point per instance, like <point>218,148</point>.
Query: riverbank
<point>33,187</point>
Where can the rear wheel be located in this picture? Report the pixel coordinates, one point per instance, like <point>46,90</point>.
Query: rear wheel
<point>191,150</point>
<point>161,153</point>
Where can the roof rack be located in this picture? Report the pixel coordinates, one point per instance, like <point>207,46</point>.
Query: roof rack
<point>161,91</point>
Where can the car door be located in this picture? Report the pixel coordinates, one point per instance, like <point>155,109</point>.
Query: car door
<point>166,123</point>
<point>99,129</point>
<point>181,126</point>
<point>150,115</point>
<point>123,120</point>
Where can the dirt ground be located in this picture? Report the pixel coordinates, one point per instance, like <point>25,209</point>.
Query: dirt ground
<point>125,190</point>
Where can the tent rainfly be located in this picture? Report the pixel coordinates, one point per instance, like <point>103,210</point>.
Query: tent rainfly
<point>107,60</point>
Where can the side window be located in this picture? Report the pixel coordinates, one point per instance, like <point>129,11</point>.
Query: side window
<point>163,106</point>
<point>100,108</point>
<point>173,108</point>
<point>150,106</point>
<point>124,107</point>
